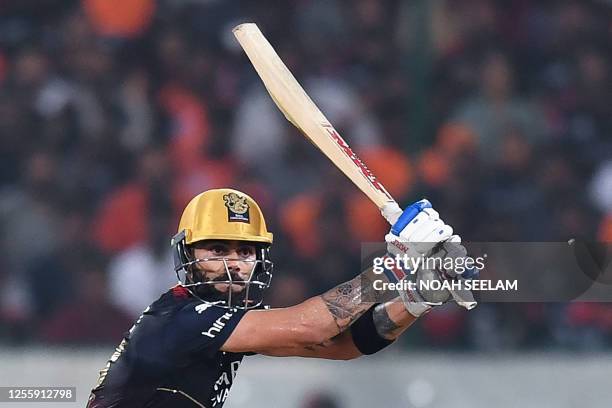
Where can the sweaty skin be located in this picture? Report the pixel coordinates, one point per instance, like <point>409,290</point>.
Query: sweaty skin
<point>313,328</point>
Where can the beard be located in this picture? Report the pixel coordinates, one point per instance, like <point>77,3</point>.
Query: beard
<point>239,291</point>
<point>209,292</point>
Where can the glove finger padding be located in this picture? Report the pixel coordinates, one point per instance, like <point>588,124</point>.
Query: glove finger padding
<point>431,295</point>
<point>414,226</point>
<point>439,296</point>
<point>456,239</point>
<point>448,264</point>
<point>451,257</point>
<point>453,250</point>
<point>429,228</point>
<point>464,298</point>
<point>442,233</point>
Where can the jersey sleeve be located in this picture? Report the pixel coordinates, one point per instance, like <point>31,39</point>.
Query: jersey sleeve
<point>203,328</point>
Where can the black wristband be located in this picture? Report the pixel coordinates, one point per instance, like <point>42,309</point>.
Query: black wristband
<point>365,336</point>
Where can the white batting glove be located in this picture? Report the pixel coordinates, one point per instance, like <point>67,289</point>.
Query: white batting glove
<point>418,232</point>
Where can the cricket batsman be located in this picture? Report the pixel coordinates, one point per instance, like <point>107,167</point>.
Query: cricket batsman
<point>186,347</point>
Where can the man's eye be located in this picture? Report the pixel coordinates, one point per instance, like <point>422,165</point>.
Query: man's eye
<point>246,251</point>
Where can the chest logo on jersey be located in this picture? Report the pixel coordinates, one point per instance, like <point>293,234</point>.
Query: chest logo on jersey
<point>218,325</point>
<point>202,307</point>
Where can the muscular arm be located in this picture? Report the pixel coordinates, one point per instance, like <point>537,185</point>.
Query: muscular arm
<point>310,325</point>
<point>390,319</point>
<point>317,327</point>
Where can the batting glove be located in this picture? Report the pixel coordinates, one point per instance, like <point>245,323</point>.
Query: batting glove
<point>419,234</point>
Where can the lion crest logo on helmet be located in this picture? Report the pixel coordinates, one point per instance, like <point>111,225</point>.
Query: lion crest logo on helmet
<point>237,208</point>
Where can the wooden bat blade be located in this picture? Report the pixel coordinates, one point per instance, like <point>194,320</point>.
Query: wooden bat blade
<point>302,112</point>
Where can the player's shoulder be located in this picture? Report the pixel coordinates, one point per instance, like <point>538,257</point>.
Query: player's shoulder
<point>203,310</point>
<point>218,309</point>
<point>174,298</point>
<point>203,327</point>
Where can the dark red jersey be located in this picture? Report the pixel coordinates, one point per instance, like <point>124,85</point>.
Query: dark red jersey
<point>171,357</point>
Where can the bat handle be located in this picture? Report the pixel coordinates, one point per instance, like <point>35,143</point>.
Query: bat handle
<point>391,211</point>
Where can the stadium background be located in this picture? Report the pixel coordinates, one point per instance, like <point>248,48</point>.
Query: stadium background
<point>113,113</point>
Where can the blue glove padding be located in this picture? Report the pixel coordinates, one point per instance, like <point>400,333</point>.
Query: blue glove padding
<point>408,215</point>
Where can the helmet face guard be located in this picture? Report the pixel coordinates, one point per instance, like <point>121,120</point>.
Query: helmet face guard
<point>253,288</point>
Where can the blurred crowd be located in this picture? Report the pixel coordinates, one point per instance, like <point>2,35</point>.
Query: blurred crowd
<point>114,113</point>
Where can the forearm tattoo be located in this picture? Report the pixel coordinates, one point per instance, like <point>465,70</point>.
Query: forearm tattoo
<point>385,327</point>
<point>344,301</point>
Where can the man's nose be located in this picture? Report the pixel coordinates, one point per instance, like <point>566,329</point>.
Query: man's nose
<point>233,263</point>
<point>234,269</point>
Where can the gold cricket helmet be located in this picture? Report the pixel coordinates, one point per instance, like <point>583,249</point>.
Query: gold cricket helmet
<point>224,214</point>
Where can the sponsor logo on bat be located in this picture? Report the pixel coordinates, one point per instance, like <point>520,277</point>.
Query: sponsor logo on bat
<point>349,152</point>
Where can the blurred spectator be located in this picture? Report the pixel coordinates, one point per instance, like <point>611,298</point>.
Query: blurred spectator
<point>141,273</point>
<point>585,326</point>
<point>605,230</point>
<point>189,127</point>
<point>15,309</point>
<point>495,108</point>
<point>88,318</point>
<point>444,327</point>
<point>289,290</point>
<point>123,220</point>
<point>30,213</point>
<point>268,140</point>
<point>119,18</point>
<point>135,101</point>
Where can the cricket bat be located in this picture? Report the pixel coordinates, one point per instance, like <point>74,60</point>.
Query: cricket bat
<point>302,112</point>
